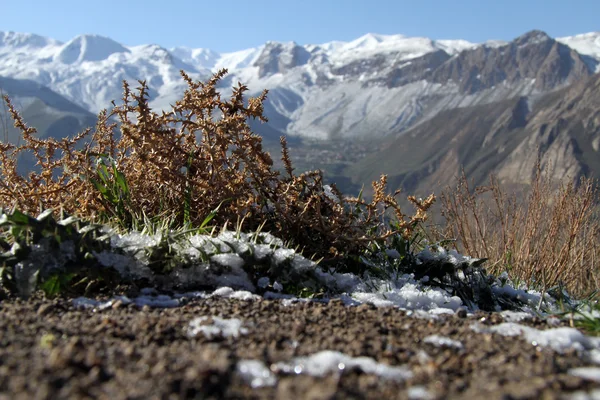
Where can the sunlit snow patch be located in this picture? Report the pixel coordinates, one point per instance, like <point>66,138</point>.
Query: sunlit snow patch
<point>159,301</point>
<point>213,327</point>
<point>558,339</point>
<point>419,393</point>
<point>442,341</point>
<point>326,362</point>
<point>515,316</point>
<point>229,293</point>
<point>408,294</point>
<point>226,262</point>
<point>587,373</point>
<point>255,373</point>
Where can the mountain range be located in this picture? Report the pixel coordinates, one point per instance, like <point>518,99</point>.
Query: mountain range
<point>414,108</point>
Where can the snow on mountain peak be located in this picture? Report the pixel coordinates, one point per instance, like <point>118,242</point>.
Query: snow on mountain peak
<point>405,47</point>
<point>205,58</point>
<point>89,69</point>
<point>88,48</point>
<point>532,37</point>
<point>587,44</point>
<point>18,39</point>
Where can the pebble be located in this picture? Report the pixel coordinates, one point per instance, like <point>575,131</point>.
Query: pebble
<point>45,309</point>
<point>117,304</point>
<point>461,312</point>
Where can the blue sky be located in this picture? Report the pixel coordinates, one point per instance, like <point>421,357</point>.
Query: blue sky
<point>229,25</point>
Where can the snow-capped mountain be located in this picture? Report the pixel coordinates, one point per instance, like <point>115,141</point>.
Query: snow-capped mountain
<point>89,69</point>
<point>587,44</point>
<point>376,85</point>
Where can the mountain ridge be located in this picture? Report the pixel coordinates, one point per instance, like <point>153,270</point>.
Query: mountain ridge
<point>80,68</point>
<point>376,89</point>
<point>506,139</point>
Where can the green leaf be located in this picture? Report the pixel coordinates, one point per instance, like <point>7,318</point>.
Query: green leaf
<point>56,284</point>
<point>121,182</point>
<point>17,217</point>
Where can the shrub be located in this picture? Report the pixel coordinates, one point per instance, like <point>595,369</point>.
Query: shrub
<point>550,236</point>
<point>183,164</point>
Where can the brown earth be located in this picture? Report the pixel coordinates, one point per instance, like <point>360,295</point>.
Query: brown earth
<point>50,349</point>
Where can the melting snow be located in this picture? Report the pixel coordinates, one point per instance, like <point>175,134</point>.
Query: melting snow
<point>515,316</point>
<point>159,301</point>
<point>442,341</point>
<point>326,362</point>
<point>255,373</point>
<point>419,393</point>
<point>588,373</point>
<point>558,339</point>
<point>216,327</point>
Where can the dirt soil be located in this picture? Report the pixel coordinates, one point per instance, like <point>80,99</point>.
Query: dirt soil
<point>50,349</point>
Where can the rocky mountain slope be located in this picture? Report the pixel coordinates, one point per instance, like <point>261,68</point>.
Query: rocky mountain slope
<point>504,138</point>
<point>374,85</point>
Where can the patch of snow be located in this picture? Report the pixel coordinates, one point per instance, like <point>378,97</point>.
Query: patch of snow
<point>230,259</point>
<point>515,316</point>
<point>327,362</point>
<point>255,373</point>
<point>582,395</point>
<point>419,393</point>
<point>213,327</point>
<point>558,339</point>
<point>405,292</point>
<point>442,341</point>
<point>157,301</point>
<point>587,373</point>
<point>587,44</point>
<point>229,293</point>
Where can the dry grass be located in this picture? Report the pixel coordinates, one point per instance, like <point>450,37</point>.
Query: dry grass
<point>183,164</point>
<point>550,235</point>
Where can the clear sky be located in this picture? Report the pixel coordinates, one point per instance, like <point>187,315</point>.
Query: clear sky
<point>229,25</point>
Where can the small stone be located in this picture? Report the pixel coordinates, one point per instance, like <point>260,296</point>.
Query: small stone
<point>45,309</point>
<point>336,302</point>
<point>146,308</point>
<point>461,312</point>
<point>364,307</point>
<point>496,319</point>
<point>117,304</point>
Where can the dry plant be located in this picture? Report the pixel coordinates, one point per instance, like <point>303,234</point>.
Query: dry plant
<point>550,236</point>
<point>184,164</point>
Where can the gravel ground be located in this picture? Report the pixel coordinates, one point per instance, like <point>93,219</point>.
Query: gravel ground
<point>50,349</point>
